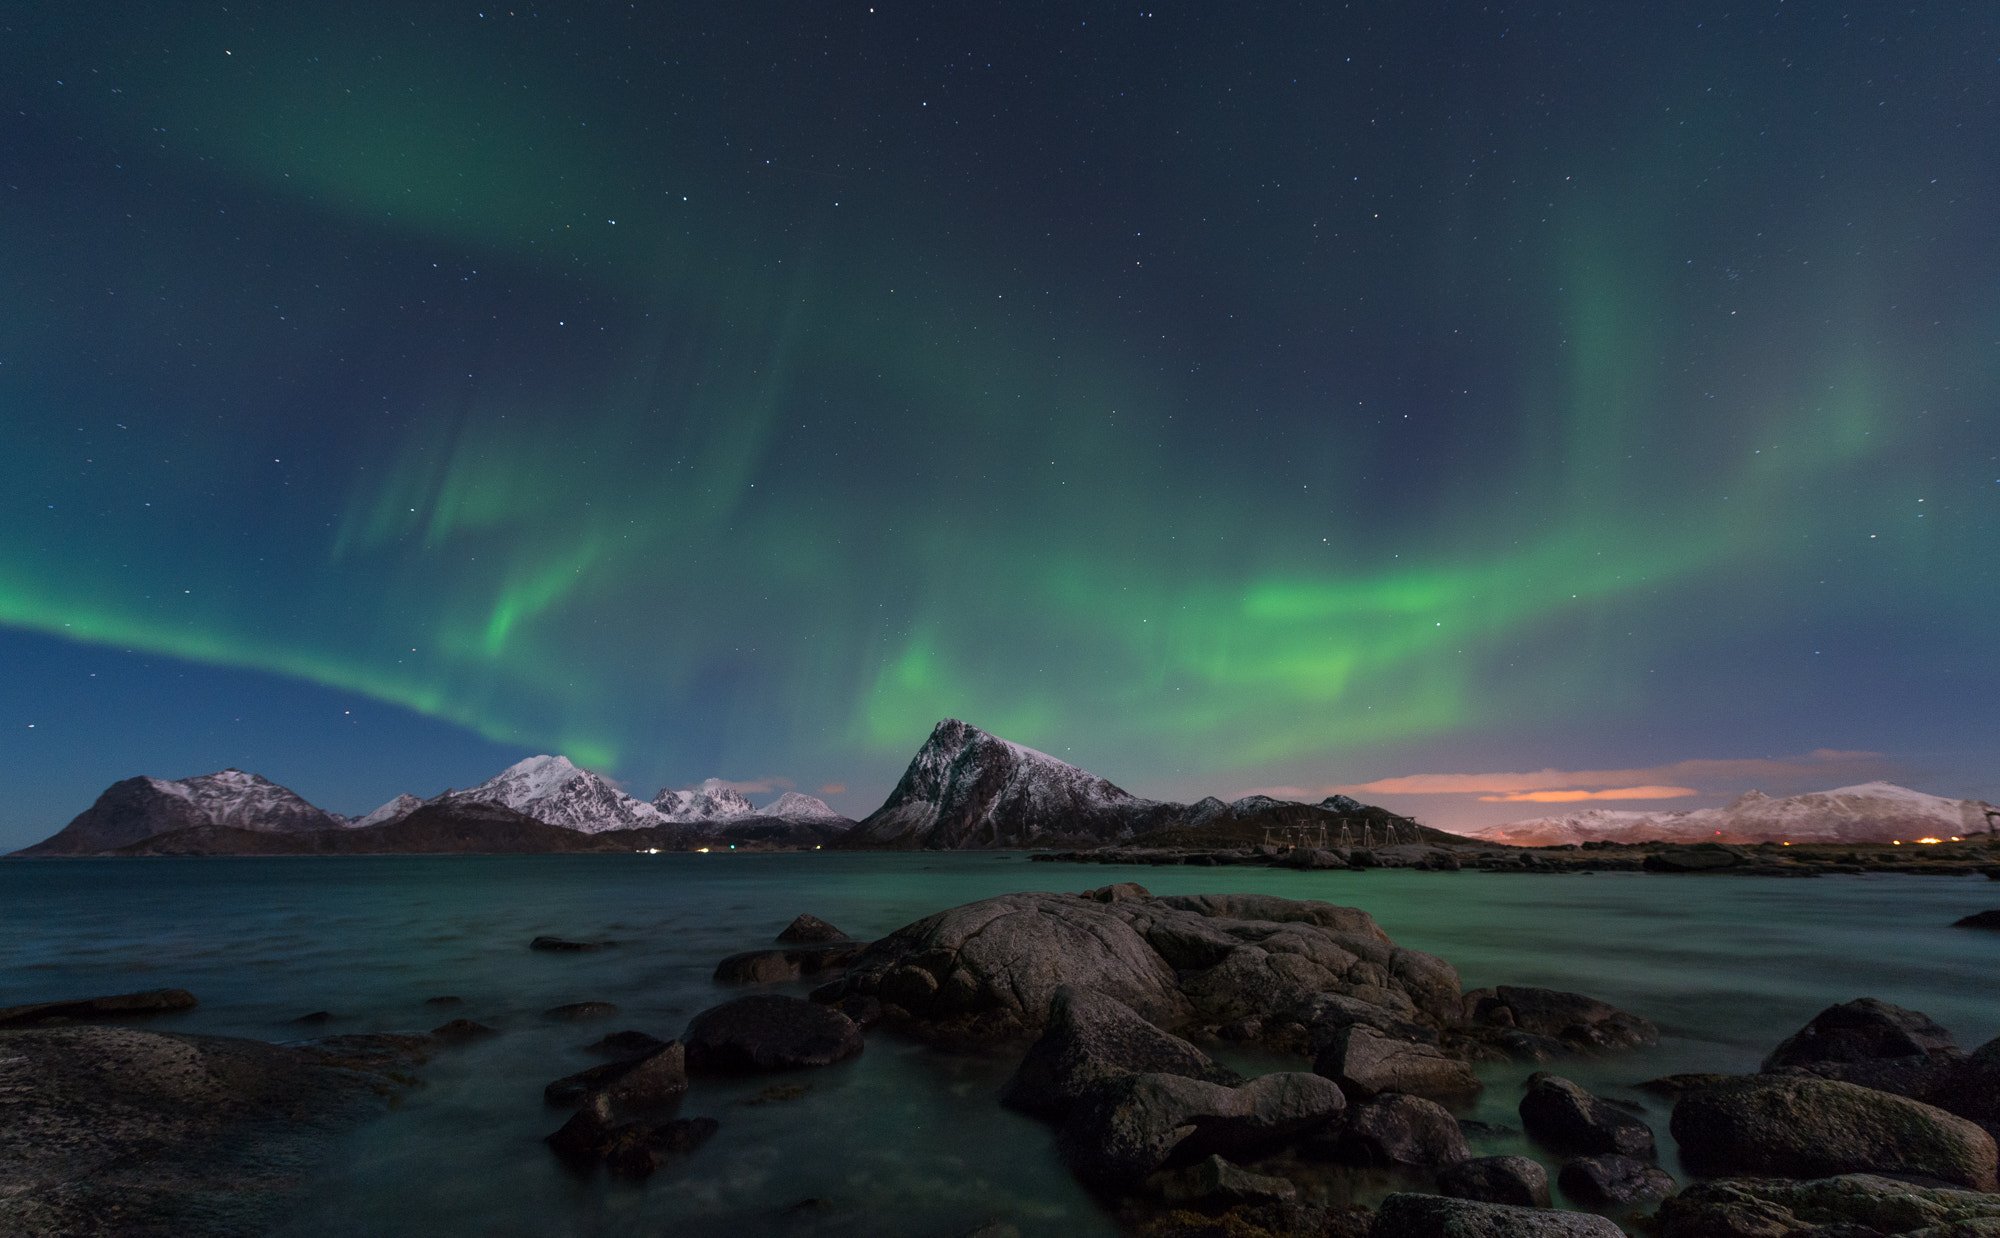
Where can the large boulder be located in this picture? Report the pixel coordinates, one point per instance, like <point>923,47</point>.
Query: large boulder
<point>987,971</point>
<point>809,930</point>
<point>1439,1216</point>
<point>1801,1127</point>
<point>1565,1117</point>
<point>1133,1125</point>
<point>1517,1180</point>
<point>1756,1207</point>
<point>1217,1181</point>
<point>1366,1063</point>
<point>1863,1030</point>
<point>1398,1131</point>
<point>769,1031</point>
<point>117,1130</point>
<point>1091,1039</point>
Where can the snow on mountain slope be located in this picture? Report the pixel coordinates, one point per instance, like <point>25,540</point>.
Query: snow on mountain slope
<point>1870,812</point>
<point>552,790</point>
<point>395,810</point>
<point>711,801</point>
<point>966,788</point>
<point>138,808</point>
<point>248,802</point>
<point>793,806</point>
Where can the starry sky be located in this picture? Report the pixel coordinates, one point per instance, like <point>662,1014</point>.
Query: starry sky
<point>1481,405</point>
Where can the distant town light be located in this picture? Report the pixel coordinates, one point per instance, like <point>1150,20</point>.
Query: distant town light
<point>1930,840</point>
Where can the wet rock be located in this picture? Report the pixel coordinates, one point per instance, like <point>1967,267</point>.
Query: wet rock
<point>560,945</point>
<point>864,1010</point>
<point>1756,1207</point>
<point>1582,1023</point>
<point>1130,1126</point>
<point>97,1009</point>
<point>769,966</point>
<point>1610,1180</point>
<point>659,1078</point>
<point>1091,1038</point>
<point>1863,1030</point>
<point>443,1001</point>
<point>1405,1132</point>
<point>1794,1126</point>
<point>1517,1180</point>
<point>1366,1063</point>
<point>1979,919</point>
<point>1565,1117</point>
<point>630,1149</point>
<point>628,1044</point>
<point>462,1031</point>
<point>117,1130</point>
<point>807,930</point>
<point>1117,892</point>
<point>1216,1182</point>
<point>577,1012</point>
<point>769,1031</point>
<point>316,1018</point>
<point>1326,1015</point>
<point>985,972</point>
<point>1438,1216</point>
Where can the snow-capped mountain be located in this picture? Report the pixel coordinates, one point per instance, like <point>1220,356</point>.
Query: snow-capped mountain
<point>139,808</point>
<point>552,790</point>
<point>390,813</point>
<point>711,801</point>
<point>793,806</point>
<point>1871,812</point>
<point>966,788</point>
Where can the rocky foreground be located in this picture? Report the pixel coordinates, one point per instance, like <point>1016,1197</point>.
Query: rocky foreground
<point>1869,1122</point>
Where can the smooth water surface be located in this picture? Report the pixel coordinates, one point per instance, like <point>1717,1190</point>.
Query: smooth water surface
<point>902,1140</point>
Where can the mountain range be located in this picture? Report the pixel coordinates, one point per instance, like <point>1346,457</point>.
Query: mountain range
<point>1872,812</point>
<point>240,813</point>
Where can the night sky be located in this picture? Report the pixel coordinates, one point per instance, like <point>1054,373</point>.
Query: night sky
<point>1220,397</point>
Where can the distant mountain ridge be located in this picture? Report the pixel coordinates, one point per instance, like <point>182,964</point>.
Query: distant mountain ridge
<point>233,812</point>
<point>1871,812</point>
<point>967,788</point>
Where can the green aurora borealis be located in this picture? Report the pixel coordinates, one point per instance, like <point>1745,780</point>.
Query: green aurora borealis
<point>1216,398</point>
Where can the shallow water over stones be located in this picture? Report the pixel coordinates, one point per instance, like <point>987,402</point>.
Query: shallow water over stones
<point>903,1139</point>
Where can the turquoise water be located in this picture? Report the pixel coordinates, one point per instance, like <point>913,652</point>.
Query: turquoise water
<point>901,1140</point>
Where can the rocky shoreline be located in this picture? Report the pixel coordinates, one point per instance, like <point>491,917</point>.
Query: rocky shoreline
<point>1113,1005</point>
<point>1972,857</point>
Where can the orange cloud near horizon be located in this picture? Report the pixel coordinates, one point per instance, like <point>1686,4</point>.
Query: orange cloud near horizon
<point>1509,785</point>
<point>1566,797</point>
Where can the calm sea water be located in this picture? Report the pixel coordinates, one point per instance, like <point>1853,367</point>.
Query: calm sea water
<point>902,1140</point>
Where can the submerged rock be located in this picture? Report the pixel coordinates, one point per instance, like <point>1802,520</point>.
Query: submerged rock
<point>1980,919</point>
<point>1436,1216</point>
<point>626,1044</point>
<point>561,945</point>
<point>1091,1039</point>
<point>577,1012</point>
<point>630,1149</point>
<point>1795,1126</point>
<point>1582,1024</point>
<point>462,1031</point>
<point>97,1009</point>
<point>658,1078</point>
<point>769,1031</point>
